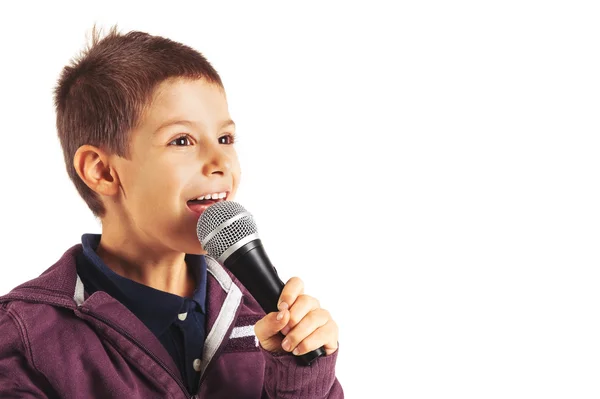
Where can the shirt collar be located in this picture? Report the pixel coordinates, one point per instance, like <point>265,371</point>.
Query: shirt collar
<point>156,309</point>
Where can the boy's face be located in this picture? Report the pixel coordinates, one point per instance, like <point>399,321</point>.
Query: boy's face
<point>181,150</point>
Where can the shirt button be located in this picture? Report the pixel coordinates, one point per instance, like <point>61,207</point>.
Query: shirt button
<point>182,316</point>
<point>197,363</point>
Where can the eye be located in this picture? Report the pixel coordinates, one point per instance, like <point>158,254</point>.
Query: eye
<point>182,140</point>
<point>227,139</point>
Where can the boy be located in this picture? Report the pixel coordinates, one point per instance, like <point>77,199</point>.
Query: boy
<point>139,311</point>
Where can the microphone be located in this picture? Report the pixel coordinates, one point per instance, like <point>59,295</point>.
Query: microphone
<point>228,233</point>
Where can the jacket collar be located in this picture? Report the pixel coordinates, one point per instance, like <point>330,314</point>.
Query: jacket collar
<point>55,286</point>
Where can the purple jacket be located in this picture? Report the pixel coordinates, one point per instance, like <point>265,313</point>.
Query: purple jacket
<point>57,342</point>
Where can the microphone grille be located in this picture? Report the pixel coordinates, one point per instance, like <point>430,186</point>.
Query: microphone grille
<point>222,225</point>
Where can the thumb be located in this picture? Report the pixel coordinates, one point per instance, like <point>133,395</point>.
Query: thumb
<point>267,330</point>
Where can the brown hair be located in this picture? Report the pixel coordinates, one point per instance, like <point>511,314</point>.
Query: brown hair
<point>102,93</point>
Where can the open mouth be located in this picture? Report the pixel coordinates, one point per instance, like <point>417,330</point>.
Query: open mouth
<point>199,205</point>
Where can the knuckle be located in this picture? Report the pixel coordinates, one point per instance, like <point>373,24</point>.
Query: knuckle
<point>325,314</point>
<point>294,280</point>
<point>334,327</point>
<point>295,318</point>
<point>313,317</point>
<point>309,301</point>
<point>258,329</point>
<point>297,283</point>
<point>259,324</point>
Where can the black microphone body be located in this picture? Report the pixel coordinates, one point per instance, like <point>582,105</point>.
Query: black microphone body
<point>251,265</point>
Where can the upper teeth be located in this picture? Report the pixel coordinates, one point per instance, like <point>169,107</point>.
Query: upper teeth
<point>212,196</point>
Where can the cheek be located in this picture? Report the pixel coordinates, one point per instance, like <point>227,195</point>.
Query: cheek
<point>236,177</point>
<point>152,184</point>
<point>235,168</point>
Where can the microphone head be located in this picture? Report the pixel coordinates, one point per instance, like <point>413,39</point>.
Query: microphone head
<point>223,227</point>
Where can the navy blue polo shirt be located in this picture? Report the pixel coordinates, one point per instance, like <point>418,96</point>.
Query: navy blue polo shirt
<point>177,322</point>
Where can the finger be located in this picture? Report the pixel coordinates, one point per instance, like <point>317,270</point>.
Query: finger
<point>325,336</point>
<point>304,304</point>
<point>311,322</point>
<point>267,329</point>
<point>292,289</point>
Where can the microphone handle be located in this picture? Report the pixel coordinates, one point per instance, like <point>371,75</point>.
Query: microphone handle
<point>260,278</point>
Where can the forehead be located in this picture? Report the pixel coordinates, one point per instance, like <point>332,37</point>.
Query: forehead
<point>195,100</point>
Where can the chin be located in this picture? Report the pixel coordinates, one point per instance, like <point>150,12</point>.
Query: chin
<point>194,248</point>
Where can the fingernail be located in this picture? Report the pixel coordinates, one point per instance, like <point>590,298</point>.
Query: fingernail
<point>280,315</point>
<point>283,306</point>
<point>296,351</point>
<point>285,345</point>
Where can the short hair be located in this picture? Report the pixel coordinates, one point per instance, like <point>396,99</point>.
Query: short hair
<point>101,95</point>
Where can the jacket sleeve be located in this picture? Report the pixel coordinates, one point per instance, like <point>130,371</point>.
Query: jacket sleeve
<point>18,377</point>
<point>286,379</point>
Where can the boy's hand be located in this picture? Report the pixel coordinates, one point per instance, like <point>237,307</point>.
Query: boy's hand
<point>305,325</point>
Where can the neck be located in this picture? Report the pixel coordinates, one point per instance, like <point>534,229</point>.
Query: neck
<point>146,264</point>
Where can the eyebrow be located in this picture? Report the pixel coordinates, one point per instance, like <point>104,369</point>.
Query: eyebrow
<point>223,125</point>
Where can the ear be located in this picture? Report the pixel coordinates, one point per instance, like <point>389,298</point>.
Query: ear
<point>93,167</point>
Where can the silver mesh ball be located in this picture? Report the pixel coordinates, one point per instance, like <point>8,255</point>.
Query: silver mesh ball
<point>217,219</point>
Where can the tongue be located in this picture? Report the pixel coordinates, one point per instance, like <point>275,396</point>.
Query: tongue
<point>200,206</point>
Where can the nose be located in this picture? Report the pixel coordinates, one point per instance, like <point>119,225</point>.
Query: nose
<point>216,161</point>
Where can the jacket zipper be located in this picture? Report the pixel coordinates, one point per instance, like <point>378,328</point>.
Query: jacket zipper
<point>144,348</point>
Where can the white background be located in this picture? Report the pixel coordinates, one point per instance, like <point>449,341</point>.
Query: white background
<point>430,169</point>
